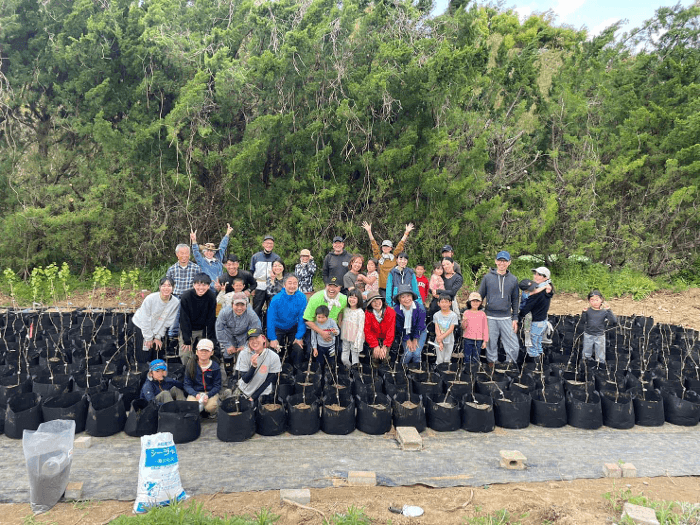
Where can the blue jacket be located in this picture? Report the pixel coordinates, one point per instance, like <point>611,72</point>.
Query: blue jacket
<point>151,388</point>
<point>397,278</point>
<point>212,378</point>
<point>417,322</point>
<point>214,268</point>
<point>286,311</point>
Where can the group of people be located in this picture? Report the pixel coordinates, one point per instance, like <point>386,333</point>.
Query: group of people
<point>266,315</point>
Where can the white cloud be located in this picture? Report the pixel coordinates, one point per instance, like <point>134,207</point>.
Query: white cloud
<point>564,8</point>
<point>524,11</point>
<point>598,29</point>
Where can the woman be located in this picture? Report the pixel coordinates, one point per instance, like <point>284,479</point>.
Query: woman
<point>305,271</point>
<point>452,284</point>
<point>275,282</point>
<point>148,325</point>
<point>380,327</point>
<point>203,378</point>
<point>386,256</point>
<point>353,279</point>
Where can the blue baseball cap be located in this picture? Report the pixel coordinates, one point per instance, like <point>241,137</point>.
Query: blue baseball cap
<point>158,364</point>
<point>503,255</point>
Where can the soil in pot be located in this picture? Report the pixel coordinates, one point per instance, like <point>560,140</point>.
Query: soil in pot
<point>236,420</point>
<point>271,417</point>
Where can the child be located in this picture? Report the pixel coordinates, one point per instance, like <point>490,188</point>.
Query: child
<point>436,283</point>
<point>159,387</point>
<point>476,328</point>
<point>224,299</point>
<point>371,279</point>
<point>353,329</point>
<point>324,351</point>
<point>593,320</point>
<point>203,378</point>
<point>422,282</point>
<point>445,321</point>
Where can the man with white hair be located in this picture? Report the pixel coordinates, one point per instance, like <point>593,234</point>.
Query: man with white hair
<point>182,274</point>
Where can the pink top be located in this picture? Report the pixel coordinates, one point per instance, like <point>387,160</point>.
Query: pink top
<point>436,283</point>
<point>475,325</point>
<point>374,287</point>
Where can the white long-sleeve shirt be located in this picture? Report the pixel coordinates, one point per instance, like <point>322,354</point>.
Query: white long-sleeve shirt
<point>155,316</point>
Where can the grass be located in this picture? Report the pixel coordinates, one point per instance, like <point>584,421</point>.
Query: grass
<point>500,517</point>
<point>354,516</point>
<point>194,514</point>
<point>667,512</point>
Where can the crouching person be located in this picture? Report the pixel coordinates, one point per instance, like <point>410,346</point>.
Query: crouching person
<point>410,324</point>
<point>159,387</point>
<point>203,378</point>
<point>259,367</point>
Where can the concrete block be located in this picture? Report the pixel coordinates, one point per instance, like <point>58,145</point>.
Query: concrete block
<point>358,478</point>
<point>82,442</point>
<point>512,459</point>
<point>409,438</point>
<point>74,490</point>
<point>640,515</point>
<point>612,470</point>
<point>301,496</point>
<point>629,470</point>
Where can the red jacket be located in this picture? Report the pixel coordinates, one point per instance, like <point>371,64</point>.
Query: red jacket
<point>375,330</point>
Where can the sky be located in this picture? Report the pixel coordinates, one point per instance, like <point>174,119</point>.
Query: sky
<point>595,15</point>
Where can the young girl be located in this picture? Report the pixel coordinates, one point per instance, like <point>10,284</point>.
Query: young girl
<point>352,329</point>
<point>371,280</point>
<point>436,282</point>
<point>476,328</point>
<point>445,321</point>
<point>203,378</point>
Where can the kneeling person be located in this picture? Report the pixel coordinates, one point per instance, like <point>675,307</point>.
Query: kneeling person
<point>259,367</point>
<point>159,387</point>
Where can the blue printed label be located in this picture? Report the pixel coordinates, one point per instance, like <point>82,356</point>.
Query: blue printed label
<point>161,457</point>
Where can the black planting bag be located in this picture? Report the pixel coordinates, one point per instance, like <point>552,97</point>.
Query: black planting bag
<point>373,414</point>
<point>303,421</point>
<point>334,421</point>
<point>618,411</point>
<point>142,419</point>
<point>407,416</point>
<point>512,410</point>
<point>181,419</point>
<point>271,416</point>
<point>648,408</point>
<point>71,406</point>
<point>47,386</point>
<point>681,408</point>
<point>443,413</point>
<point>550,413</point>
<point>106,414</point>
<point>23,413</point>
<point>477,413</point>
<point>235,420</point>
<point>584,412</point>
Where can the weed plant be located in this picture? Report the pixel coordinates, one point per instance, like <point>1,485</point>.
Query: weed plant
<point>194,514</point>
<point>667,512</point>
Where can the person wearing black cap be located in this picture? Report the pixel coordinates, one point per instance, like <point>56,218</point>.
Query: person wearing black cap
<point>447,251</point>
<point>337,262</point>
<point>259,367</point>
<point>261,268</point>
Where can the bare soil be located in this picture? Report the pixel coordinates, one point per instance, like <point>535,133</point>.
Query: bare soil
<point>562,502</point>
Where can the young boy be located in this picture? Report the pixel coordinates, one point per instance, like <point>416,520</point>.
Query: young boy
<point>159,387</point>
<point>422,282</point>
<point>445,321</point>
<point>593,320</point>
<point>324,351</point>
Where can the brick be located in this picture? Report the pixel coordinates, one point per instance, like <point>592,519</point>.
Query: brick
<point>629,470</point>
<point>83,442</point>
<point>640,515</point>
<point>301,496</point>
<point>359,478</point>
<point>512,459</point>
<point>409,438</point>
<point>74,490</point>
<point>612,470</point>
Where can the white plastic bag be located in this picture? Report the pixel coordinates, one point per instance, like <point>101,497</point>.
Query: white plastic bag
<point>159,473</point>
<point>49,453</point>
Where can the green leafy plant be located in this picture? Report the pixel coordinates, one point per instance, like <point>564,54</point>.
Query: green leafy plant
<point>354,516</point>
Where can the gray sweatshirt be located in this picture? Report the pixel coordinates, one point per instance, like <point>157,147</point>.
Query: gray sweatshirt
<point>594,320</point>
<point>232,329</point>
<point>500,293</point>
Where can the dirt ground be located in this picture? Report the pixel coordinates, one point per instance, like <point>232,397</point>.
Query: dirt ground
<point>563,502</point>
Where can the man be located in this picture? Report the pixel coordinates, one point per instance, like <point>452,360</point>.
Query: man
<point>333,299</point>
<point>210,258</point>
<point>259,367</point>
<point>285,320</point>
<point>232,326</point>
<point>447,251</point>
<point>181,273</point>
<point>500,291</point>
<point>261,268</point>
<point>336,263</point>
<point>231,271</point>
<point>410,323</point>
<point>197,315</point>
<point>386,259</point>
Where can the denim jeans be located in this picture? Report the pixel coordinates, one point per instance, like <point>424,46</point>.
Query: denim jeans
<point>414,357</point>
<point>537,330</point>
<point>472,349</point>
<point>597,342</point>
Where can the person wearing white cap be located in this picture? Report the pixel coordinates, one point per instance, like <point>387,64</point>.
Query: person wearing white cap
<point>538,304</point>
<point>203,378</point>
<point>386,257</point>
